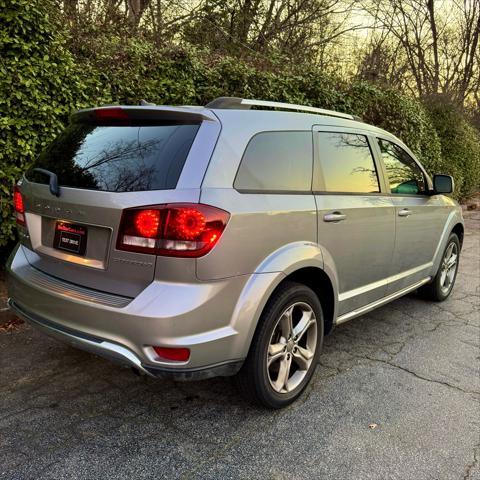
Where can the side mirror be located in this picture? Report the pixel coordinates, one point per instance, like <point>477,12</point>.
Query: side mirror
<point>443,184</point>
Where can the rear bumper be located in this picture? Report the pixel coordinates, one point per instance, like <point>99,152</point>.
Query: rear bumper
<point>118,353</point>
<point>214,320</point>
<point>81,340</point>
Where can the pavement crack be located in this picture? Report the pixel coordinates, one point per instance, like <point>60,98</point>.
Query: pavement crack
<point>421,377</point>
<point>473,463</point>
<point>411,372</point>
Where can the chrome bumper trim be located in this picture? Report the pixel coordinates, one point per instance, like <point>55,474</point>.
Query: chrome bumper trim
<point>90,343</point>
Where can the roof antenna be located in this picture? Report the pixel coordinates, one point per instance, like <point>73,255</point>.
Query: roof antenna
<point>144,103</point>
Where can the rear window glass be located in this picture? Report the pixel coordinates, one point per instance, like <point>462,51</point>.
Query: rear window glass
<point>277,161</point>
<point>117,158</point>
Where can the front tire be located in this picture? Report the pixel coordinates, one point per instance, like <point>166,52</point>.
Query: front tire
<point>285,348</point>
<point>441,286</point>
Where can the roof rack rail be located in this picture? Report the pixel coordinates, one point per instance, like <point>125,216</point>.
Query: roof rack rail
<point>144,103</point>
<point>245,104</point>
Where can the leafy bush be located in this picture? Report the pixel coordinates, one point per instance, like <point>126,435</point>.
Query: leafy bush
<point>38,89</point>
<point>460,143</point>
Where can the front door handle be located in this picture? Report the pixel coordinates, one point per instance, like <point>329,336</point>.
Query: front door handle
<point>404,212</point>
<point>334,217</point>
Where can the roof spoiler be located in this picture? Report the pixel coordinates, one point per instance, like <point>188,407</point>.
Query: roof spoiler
<point>143,112</point>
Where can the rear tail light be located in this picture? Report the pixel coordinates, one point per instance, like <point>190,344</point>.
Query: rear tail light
<point>174,230</point>
<point>18,205</point>
<point>177,354</point>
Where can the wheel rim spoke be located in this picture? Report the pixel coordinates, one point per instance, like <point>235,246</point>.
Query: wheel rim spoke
<point>283,374</point>
<point>276,351</point>
<point>449,251</point>
<point>450,276</point>
<point>276,348</point>
<point>286,323</point>
<point>452,261</point>
<point>302,357</point>
<point>303,325</point>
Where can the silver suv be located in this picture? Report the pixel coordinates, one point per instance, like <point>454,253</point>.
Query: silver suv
<point>193,242</point>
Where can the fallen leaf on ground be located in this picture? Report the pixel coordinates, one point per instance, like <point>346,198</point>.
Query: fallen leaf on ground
<point>11,325</point>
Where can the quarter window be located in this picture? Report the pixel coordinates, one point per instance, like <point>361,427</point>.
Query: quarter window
<point>347,163</point>
<point>277,161</point>
<point>404,175</point>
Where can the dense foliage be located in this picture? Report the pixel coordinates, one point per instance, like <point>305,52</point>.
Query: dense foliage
<point>38,89</point>
<point>43,78</point>
<point>460,145</point>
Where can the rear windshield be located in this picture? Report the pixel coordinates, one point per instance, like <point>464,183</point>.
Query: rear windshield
<point>117,158</point>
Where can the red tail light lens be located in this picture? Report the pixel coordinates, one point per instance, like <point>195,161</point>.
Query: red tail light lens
<point>19,206</point>
<point>187,223</point>
<point>177,354</point>
<point>147,223</point>
<point>175,230</point>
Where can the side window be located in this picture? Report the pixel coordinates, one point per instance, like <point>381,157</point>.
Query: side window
<point>347,163</point>
<point>277,161</point>
<point>404,175</point>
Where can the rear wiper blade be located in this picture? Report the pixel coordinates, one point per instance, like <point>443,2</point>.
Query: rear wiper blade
<point>54,188</point>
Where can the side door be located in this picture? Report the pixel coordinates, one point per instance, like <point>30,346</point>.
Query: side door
<point>418,215</point>
<point>356,220</point>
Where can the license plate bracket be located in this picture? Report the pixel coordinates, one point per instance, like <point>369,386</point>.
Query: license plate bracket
<point>70,237</point>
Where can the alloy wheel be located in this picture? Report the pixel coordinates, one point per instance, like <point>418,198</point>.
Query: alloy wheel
<point>448,268</point>
<point>292,347</point>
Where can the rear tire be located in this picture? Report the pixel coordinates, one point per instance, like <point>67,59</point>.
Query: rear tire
<point>285,348</point>
<point>442,284</point>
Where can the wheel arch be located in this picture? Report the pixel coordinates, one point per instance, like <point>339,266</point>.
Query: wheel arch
<point>453,224</point>
<point>317,280</point>
<point>459,230</point>
<point>313,277</point>
<point>303,262</point>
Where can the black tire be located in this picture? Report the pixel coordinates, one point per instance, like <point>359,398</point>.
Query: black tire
<point>434,290</point>
<point>254,379</point>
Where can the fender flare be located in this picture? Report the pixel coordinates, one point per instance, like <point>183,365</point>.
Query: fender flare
<point>269,274</point>
<point>454,218</point>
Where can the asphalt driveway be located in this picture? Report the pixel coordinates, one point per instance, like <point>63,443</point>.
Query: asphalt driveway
<point>397,396</point>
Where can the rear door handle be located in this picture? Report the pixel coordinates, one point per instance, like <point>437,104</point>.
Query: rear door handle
<point>404,212</point>
<point>334,217</point>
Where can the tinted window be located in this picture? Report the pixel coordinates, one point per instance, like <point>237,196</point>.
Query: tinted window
<point>277,161</point>
<point>347,163</point>
<point>404,175</point>
<point>117,158</point>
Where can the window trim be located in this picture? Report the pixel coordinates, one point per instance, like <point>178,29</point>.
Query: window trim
<point>319,187</point>
<point>249,191</point>
<point>274,192</point>
<point>405,149</point>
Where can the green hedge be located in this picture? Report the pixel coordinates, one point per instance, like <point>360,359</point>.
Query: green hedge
<point>42,81</point>
<point>38,89</point>
<point>460,145</point>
